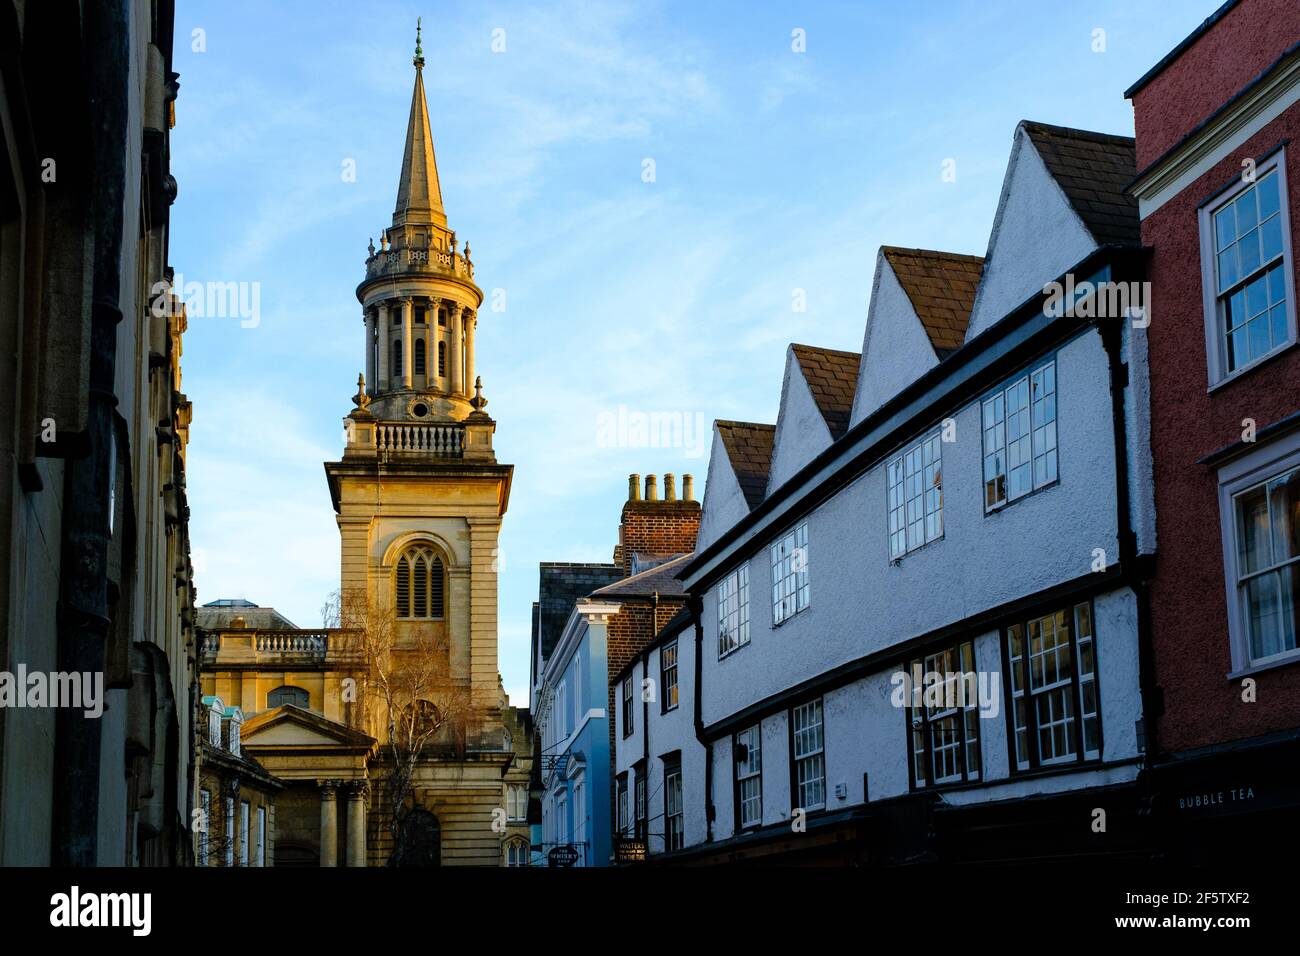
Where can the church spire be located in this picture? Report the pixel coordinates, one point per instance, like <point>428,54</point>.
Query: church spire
<point>419,195</point>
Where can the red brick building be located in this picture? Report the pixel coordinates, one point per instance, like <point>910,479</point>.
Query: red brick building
<point>1217,126</point>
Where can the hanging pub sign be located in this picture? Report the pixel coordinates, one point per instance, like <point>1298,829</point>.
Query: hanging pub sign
<point>564,855</point>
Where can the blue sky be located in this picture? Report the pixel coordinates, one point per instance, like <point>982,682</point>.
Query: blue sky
<point>774,170</point>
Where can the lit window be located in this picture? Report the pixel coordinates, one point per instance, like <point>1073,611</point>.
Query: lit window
<point>419,584</point>
<point>749,777</point>
<point>1053,680</point>
<point>915,497</point>
<point>943,717</point>
<point>1019,423</point>
<point>1249,308</point>
<point>790,592</point>
<point>668,675</point>
<point>809,758</point>
<point>733,611</point>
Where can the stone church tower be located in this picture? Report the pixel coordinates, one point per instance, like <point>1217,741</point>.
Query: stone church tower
<point>419,493</point>
<point>419,497</point>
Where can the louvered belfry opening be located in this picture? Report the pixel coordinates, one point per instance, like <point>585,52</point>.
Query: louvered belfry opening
<point>419,588</point>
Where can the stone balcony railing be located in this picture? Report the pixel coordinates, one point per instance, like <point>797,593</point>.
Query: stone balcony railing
<point>426,440</point>
<point>246,646</point>
<point>432,261</point>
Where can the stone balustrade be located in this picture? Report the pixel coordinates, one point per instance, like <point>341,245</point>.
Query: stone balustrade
<point>440,440</point>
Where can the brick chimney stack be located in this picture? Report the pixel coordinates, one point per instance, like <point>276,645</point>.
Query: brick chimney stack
<point>654,527</point>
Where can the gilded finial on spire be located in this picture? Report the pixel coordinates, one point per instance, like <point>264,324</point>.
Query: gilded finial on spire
<point>419,53</point>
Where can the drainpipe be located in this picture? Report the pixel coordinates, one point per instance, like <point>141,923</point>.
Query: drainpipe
<point>83,604</point>
<point>696,607</point>
<point>1111,331</point>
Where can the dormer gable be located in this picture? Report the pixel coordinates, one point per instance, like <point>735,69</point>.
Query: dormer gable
<point>1063,197</point>
<point>816,401</point>
<point>920,304</point>
<point>739,460</point>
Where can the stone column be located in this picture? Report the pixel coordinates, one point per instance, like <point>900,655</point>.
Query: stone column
<point>408,342</point>
<point>329,822</point>
<point>470,321</point>
<point>382,348</point>
<point>369,316</point>
<point>456,353</point>
<point>357,823</point>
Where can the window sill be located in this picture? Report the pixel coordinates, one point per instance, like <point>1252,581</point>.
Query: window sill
<point>1281,660</point>
<point>1245,370</point>
<point>735,650</point>
<point>998,509</point>
<point>786,620</point>
<point>899,559</point>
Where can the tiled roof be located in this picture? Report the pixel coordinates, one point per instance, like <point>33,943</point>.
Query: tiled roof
<point>832,378</point>
<point>749,447</point>
<point>660,579</point>
<point>562,583</point>
<point>941,287</point>
<point>1092,170</point>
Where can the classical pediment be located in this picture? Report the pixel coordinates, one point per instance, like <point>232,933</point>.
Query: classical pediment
<point>288,726</point>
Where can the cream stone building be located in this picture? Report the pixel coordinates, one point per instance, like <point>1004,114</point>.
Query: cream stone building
<point>419,497</point>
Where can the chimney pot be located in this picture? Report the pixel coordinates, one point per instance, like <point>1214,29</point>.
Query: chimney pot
<point>688,487</point>
<point>651,488</point>
<point>634,487</point>
<point>670,486</point>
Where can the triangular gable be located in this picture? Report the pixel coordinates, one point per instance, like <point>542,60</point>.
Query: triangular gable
<point>816,400</point>
<point>918,298</point>
<point>739,460</point>
<point>1037,235</point>
<point>290,726</point>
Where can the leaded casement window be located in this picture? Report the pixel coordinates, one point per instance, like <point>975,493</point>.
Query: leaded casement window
<point>1246,254</point>
<point>621,806</point>
<point>1266,525</point>
<point>516,802</point>
<point>733,611</point>
<point>943,717</point>
<point>668,675</point>
<point>205,802</point>
<point>629,722</point>
<point>420,584</point>
<point>1053,688</point>
<point>749,777</point>
<point>674,809</point>
<point>1019,423</point>
<point>517,852</point>
<point>915,479</point>
<point>809,756</point>
<point>286,694</point>
<point>790,592</point>
<point>419,357</point>
<point>640,805</point>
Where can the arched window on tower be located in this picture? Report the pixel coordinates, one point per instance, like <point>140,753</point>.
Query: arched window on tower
<point>419,356</point>
<point>397,359</point>
<point>442,359</point>
<point>420,585</point>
